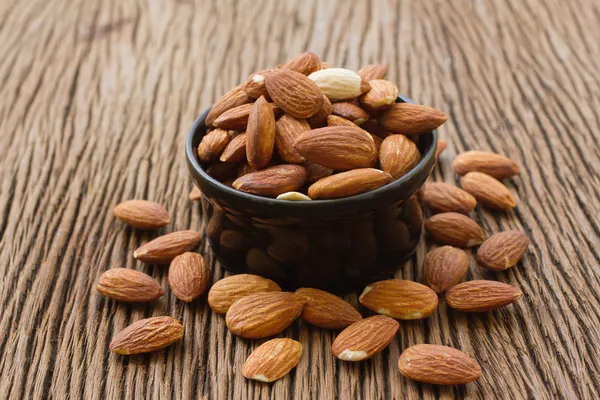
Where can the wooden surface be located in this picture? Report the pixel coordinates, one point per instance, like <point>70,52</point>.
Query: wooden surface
<point>97,97</point>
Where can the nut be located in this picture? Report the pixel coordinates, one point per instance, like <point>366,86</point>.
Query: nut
<point>142,214</point>
<point>305,63</point>
<point>365,338</point>
<point>255,84</point>
<point>454,229</point>
<point>349,111</point>
<point>319,120</point>
<point>334,120</point>
<point>189,276</point>
<point>488,191</point>
<point>227,290</point>
<point>195,194</point>
<point>235,151</point>
<point>260,134</point>
<point>147,335</point>
<point>293,196</point>
<point>442,197</point>
<point>325,310</point>
<point>234,98</point>
<point>125,284</point>
<point>294,93</point>
<point>315,172</point>
<point>411,119</point>
<point>288,130</point>
<point>165,248</point>
<point>493,164</point>
<point>212,145</point>
<point>481,296</point>
<point>381,94</point>
<point>444,267</point>
<point>373,71</point>
<point>503,250</point>
<point>399,299</point>
<point>272,360</point>
<point>339,83</point>
<point>398,155</point>
<point>348,183</point>
<point>272,181</point>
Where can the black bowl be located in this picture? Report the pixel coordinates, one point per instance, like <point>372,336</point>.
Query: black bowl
<point>334,244</point>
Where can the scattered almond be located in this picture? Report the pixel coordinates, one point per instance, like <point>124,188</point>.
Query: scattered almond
<point>129,285</point>
<point>373,71</point>
<point>272,181</point>
<point>348,183</point>
<point>165,248</point>
<point>142,214</point>
<point>147,335</point>
<point>398,155</point>
<point>349,111</point>
<point>227,290</point>
<point>294,93</point>
<point>488,191</point>
<point>195,194</point>
<point>445,267</point>
<point>493,164</point>
<point>365,338</point>
<point>189,276</point>
<point>411,119</point>
<point>272,360</point>
<point>399,299</point>
<point>442,144</point>
<point>442,197</point>
<point>325,310</point>
<point>381,94</point>
<point>235,151</point>
<point>503,250</point>
<point>234,98</point>
<point>288,130</point>
<point>260,134</point>
<point>454,229</point>
<point>481,296</point>
<point>339,83</point>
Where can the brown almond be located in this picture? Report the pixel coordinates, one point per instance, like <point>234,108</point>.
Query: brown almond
<point>442,144</point>
<point>442,197</point>
<point>222,171</point>
<point>325,310</point>
<point>165,248</point>
<point>488,191</point>
<point>454,229</point>
<point>124,284</point>
<point>147,335</point>
<point>319,120</point>
<point>288,129</point>
<point>272,360</point>
<point>411,119</point>
<point>261,315</point>
<point>244,169</point>
<point>400,299</point>
<point>502,250</point>
<point>439,365</point>
<point>255,84</point>
<point>365,338</point>
<point>294,93</point>
<point>381,95</point>
<point>189,276</point>
<point>348,183</point>
<point>339,83</point>
<point>237,118</point>
<point>272,181</point>
<point>325,65</point>
<point>349,111</point>
<point>334,120</point>
<point>235,151</point>
<point>493,164</point>
<point>212,145</point>
<point>142,214</point>
<point>445,267</point>
<point>195,194</point>
<point>228,290</point>
<point>373,127</point>
<point>373,71</point>
<point>314,172</point>
<point>378,142</point>
<point>398,155</point>
<point>481,296</point>
<point>305,63</point>
<point>260,134</point>
<point>234,98</point>
<point>338,147</point>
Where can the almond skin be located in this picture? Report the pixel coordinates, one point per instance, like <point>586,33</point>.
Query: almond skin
<point>272,181</point>
<point>288,129</point>
<point>294,93</point>
<point>365,338</point>
<point>272,360</point>
<point>195,194</point>
<point>382,94</point>
<point>334,120</point>
<point>147,335</point>
<point>124,284</point>
<point>454,229</point>
<point>373,71</point>
<point>142,214</point>
<point>338,147</point>
<point>488,191</point>
<point>349,111</point>
<point>234,98</point>
<point>235,151</point>
<point>325,310</point>
<point>445,267</point>
<point>502,250</point>
<point>226,291</point>
<point>348,183</point>
<point>237,118</point>
<point>315,172</point>
<point>189,276</point>
<point>165,248</point>
<point>411,119</point>
<point>319,120</point>
<point>255,84</point>
<point>339,83</point>
<point>400,299</point>
<point>442,197</point>
<point>481,296</point>
<point>439,365</point>
<point>493,164</point>
<point>212,145</point>
<point>262,315</point>
<point>260,134</point>
<point>398,155</point>
<point>305,63</point>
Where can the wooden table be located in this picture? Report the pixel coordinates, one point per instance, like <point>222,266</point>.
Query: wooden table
<point>97,97</point>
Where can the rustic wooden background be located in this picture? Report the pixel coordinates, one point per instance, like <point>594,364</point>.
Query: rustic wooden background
<point>96,98</point>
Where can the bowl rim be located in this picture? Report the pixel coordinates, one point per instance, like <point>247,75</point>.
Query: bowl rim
<point>370,196</point>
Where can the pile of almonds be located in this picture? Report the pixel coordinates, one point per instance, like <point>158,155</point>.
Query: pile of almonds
<point>305,130</point>
<point>255,307</point>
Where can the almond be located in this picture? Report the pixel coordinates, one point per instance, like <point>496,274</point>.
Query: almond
<point>378,142</point>
<point>255,84</point>
<point>234,98</point>
<point>411,119</point>
<point>442,144</point>
<point>439,365</point>
<point>399,299</point>
<point>315,172</point>
<point>398,155</point>
<point>445,267</point>
<point>373,71</point>
<point>244,169</point>
<point>325,65</point>
<point>334,120</point>
<point>228,290</point>
<point>325,310</point>
<point>350,111</point>
<point>294,93</point>
<point>260,134</point>
<point>237,118</point>
<point>272,181</point>
<point>493,164</point>
<point>382,94</point>
<point>481,296</point>
<point>125,284</point>
<point>147,335</point>
<point>261,315</point>
<point>235,151</point>
<point>454,229</point>
<point>503,250</point>
<point>442,197</point>
<point>365,338</point>
<point>195,194</point>
<point>373,127</point>
<point>165,248</point>
<point>348,183</point>
<point>319,120</point>
<point>272,360</point>
<point>189,276</point>
<point>222,171</point>
<point>338,147</point>
<point>488,191</point>
<point>293,196</point>
<point>288,130</point>
<point>305,63</point>
<point>142,214</point>
<point>212,145</point>
<point>339,83</point>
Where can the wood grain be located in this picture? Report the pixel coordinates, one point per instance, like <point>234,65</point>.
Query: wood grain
<point>96,99</point>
